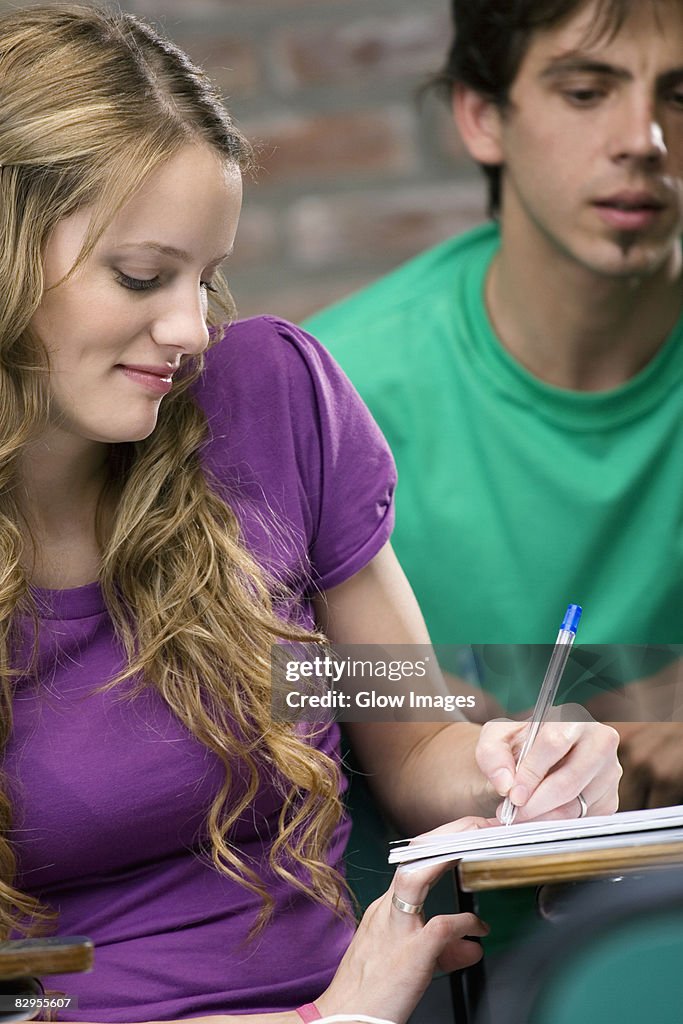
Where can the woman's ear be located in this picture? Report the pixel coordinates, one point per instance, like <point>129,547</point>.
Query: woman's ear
<point>479,122</point>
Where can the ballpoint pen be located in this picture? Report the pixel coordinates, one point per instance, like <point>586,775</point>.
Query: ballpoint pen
<point>546,697</point>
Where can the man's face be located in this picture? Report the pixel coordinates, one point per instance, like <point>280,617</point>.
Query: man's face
<point>592,144</point>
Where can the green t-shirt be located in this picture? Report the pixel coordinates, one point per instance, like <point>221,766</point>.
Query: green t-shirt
<point>515,497</point>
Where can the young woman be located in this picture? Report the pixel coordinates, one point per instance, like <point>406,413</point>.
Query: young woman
<point>176,498</point>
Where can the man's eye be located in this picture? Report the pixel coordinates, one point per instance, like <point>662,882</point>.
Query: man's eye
<point>583,97</point>
<point>208,286</point>
<point>137,284</point>
<point>676,98</point>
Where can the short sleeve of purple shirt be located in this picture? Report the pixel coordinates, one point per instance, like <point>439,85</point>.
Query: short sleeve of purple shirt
<point>296,429</point>
<point>109,797</point>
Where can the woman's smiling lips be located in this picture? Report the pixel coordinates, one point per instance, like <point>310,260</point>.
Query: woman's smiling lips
<point>158,379</point>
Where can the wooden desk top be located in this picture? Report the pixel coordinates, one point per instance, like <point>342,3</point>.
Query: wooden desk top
<point>57,955</point>
<point>540,869</point>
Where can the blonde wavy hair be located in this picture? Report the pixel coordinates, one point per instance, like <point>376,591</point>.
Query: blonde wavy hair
<point>91,103</point>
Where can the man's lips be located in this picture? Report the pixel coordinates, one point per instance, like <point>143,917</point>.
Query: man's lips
<point>629,210</point>
<point>631,201</point>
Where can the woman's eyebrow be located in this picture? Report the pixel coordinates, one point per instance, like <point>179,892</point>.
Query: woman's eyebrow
<point>170,250</point>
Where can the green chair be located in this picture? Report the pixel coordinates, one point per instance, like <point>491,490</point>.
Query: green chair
<point>614,957</point>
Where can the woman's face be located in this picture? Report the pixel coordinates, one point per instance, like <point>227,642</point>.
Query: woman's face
<point>118,329</point>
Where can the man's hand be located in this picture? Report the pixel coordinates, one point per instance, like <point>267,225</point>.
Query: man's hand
<point>652,757</point>
<point>647,714</point>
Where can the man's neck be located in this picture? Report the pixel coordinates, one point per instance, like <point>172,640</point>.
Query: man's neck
<point>575,329</point>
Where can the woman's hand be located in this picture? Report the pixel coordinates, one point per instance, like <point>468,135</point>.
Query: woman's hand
<point>568,758</point>
<point>394,954</point>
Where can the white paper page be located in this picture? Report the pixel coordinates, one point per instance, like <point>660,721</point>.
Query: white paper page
<point>570,846</point>
<point>455,844</point>
<point>566,846</point>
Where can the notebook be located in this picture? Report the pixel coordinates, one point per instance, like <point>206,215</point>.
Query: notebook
<point>560,836</point>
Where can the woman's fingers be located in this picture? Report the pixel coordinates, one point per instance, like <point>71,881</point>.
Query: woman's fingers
<point>453,937</point>
<point>411,882</point>
<point>600,796</point>
<point>411,889</point>
<point>567,758</point>
<point>394,954</point>
<point>466,824</point>
<point>495,753</point>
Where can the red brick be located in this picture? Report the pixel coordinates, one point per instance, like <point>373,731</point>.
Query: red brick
<point>167,9</point>
<point>447,137</point>
<point>256,241</point>
<point>380,228</point>
<point>215,8</point>
<point>277,5</point>
<point>350,144</point>
<point>396,46</point>
<point>229,60</point>
<point>295,301</point>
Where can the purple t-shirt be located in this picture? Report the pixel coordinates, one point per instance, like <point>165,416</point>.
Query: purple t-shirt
<point>110,796</point>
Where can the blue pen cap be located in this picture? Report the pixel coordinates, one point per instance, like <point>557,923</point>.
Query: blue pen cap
<point>571,618</point>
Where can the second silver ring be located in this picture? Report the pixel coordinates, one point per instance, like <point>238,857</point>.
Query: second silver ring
<point>404,907</point>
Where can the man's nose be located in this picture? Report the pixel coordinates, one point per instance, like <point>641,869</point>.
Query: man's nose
<point>638,134</point>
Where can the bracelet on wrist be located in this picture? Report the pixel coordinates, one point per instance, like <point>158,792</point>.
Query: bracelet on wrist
<point>309,1012</point>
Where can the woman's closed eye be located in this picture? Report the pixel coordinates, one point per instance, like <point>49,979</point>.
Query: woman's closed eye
<point>144,284</point>
<point>137,284</point>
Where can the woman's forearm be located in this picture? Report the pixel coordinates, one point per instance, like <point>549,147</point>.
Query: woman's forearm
<point>287,1017</point>
<point>423,775</point>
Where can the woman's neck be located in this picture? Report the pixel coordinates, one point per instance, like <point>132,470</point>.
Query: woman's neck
<point>61,486</point>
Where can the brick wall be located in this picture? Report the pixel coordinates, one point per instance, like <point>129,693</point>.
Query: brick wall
<point>355,176</point>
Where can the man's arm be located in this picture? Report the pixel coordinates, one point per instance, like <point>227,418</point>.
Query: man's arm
<point>426,774</point>
<point>648,715</point>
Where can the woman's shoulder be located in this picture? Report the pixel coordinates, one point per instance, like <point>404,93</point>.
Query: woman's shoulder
<point>262,346</point>
<point>268,365</point>
<point>287,429</point>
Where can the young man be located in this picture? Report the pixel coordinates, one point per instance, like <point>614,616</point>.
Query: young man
<point>529,374</point>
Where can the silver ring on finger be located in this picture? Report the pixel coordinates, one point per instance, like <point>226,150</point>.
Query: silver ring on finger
<point>583,806</point>
<point>406,908</point>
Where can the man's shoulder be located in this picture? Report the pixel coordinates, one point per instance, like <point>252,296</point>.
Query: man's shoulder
<point>412,290</point>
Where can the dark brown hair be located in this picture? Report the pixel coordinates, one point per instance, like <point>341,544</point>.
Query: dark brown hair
<point>491,39</point>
